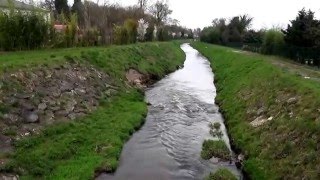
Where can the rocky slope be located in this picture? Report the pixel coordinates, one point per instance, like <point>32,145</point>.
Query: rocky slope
<point>43,96</point>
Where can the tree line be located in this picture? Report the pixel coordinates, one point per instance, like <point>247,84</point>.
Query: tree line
<point>52,23</point>
<point>299,41</point>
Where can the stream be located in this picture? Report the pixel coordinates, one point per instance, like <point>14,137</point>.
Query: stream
<point>169,144</point>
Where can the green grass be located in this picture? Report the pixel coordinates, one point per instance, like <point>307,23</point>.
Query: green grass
<point>75,150</point>
<point>78,149</point>
<point>212,148</point>
<point>285,147</point>
<point>221,174</point>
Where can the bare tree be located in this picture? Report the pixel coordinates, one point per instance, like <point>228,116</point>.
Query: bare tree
<point>47,4</point>
<point>160,11</point>
<point>142,4</point>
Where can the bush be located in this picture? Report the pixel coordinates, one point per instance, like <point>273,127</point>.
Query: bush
<point>127,33</point>
<point>132,29</point>
<point>21,31</point>
<point>90,37</point>
<point>211,148</point>
<point>222,174</point>
<point>211,35</point>
<point>273,42</point>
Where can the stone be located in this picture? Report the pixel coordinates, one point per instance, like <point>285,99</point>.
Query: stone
<point>26,105</point>
<point>47,73</point>
<point>80,114</point>
<point>70,105</point>
<point>56,93</point>
<point>54,108</point>
<point>212,110</point>
<point>110,92</point>
<point>62,113</point>
<point>82,78</point>
<point>66,86</point>
<point>292,100</point>
<point>9,177</point>
<point>80,91</point>
<point>107,85</point>
<point>72,116</point>
<point>259,121</point>
<point>11,117</point>
<point>42,106</point>
<point>31,117</point>
<point>24,96</point>
<point>260,111</point>
<point>48,117</point>
<point>11,101</point>
<point>80,110</point>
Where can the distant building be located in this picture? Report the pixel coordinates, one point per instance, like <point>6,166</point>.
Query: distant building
<point>7,5</point>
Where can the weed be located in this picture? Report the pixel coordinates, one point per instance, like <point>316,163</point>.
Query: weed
<point>221,174</point>
<point>211,148</point>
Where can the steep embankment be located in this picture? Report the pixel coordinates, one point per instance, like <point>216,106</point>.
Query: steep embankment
<point>271,114</point>
<point>42,92</point>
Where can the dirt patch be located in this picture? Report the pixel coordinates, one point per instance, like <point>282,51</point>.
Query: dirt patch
<point>259,121</point>
<point>140,80</point>
<point>32,99</point>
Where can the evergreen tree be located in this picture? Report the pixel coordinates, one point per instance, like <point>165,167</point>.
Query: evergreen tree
<point>62,7</point>
<point>303,31</point>
<point>78,8</point>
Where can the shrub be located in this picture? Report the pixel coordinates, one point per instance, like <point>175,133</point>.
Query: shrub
<point>20,31</point>
<point>273,42</point>
<point>211,148</point>
<point>211,35</point>
<point>132,29</point>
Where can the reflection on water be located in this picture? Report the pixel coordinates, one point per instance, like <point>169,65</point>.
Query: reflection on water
<point>169,144</point>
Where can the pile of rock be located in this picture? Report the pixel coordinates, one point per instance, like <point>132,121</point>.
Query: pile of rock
<point>30,99</point>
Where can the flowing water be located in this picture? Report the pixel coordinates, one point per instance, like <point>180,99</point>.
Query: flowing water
<point>169,144</point>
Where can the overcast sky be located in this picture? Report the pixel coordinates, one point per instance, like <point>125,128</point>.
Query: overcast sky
<point>266,13</point>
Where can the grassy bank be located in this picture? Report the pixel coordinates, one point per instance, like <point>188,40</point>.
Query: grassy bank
<point>272,114</point>
<point>78,149</point>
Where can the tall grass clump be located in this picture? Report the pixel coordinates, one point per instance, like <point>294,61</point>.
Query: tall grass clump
<point>273,42</point>
<point>221,174</point>
<point>22,30</point>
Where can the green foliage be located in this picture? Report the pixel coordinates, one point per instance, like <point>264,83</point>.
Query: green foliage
<point>149,34</point>
<point>120,35</point>
<point>219,149</point>
<point>162,34</point>
<point>283,148</point>
<point>79,9</point>
<point>211,35</point>
<point>71,31</point>
<point>273,42</point>
<point>127,33</point>
<point>131,26</point>
<point>304,30</point>
<point>20,31</point>
<point>61,6</point>
<point>222,33</point>
<point>215,126</point>
<point>222,174</point>
<point>253,37</point>
<point>90,37</point>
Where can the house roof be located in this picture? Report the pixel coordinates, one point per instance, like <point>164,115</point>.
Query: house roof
<point>20,5</point>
